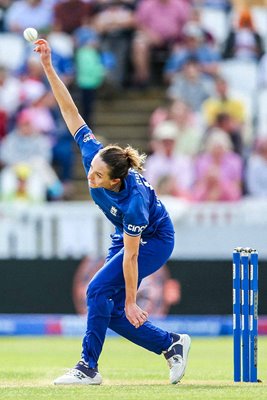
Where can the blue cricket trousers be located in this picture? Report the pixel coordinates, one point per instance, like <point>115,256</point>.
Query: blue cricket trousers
<point>106,299</point>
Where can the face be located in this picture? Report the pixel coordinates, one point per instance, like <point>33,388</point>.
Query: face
<point>221,87</point>
<point>26,128</point>
<point>191,70</point>
<point>167,146</point>
<point>98,175</point>
<point>218,150</point>
<point>192,42</point>
<point>179,112</point>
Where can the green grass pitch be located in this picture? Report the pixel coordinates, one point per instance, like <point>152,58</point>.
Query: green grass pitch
<point>29,365</point>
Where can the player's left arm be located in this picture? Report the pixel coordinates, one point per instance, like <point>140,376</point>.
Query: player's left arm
<point>133,312</point>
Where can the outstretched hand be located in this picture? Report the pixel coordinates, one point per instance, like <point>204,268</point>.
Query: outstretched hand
<point>43,48</point>
<point>135,315</point>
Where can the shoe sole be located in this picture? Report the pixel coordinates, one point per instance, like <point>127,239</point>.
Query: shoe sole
<point>97,380</point>
<point>77,383</point>
<point>186,348</point>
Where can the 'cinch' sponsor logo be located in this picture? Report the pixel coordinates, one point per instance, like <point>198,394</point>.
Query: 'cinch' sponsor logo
<point>136,228</point>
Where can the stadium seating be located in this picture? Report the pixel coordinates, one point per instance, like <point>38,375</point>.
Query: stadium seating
<point>12,50</point>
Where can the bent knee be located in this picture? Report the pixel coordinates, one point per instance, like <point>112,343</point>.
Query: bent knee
<point>100,305</point>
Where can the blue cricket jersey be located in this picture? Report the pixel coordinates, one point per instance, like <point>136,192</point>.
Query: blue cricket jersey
<point>135,209</point>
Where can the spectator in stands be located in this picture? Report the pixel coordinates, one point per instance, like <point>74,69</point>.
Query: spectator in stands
<point>166,186</point>
<point>24,13</point>
<point>10,95</point>
<point>69,15</point>
<point>30,68</point>
<point>228,112</point>
<point>256,169</point>
<point>222,101</point>
<point>24,142</point>
<point>218,170</point>
<point>188,125</point>
<point>26,148</point>
<point>159,24</point>
<point>32,75</point>
<point>21,183</point>
<point>63,54</point>
<point>192,45</point>
<point>195,18</point>
<point>39,103</point>
<point>243,41</point>
<point>32,85</point>
<point>190,128</point>
<point>165,163</point>
<point>161,113</point>
<point>190,85</point>
<point>34,94</point>
<point>230,125</point>
<point>4,5</point>
<point>90,71</point>
<point>114,20</point>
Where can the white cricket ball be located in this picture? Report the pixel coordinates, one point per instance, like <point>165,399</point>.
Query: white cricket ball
<point>30,34</point>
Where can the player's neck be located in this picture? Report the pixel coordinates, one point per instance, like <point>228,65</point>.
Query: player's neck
<point>117,187</point>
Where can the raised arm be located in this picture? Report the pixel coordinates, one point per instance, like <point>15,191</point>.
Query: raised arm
<point>66,104</point>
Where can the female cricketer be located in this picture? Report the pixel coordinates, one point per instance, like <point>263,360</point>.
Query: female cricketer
<point>142,242</point>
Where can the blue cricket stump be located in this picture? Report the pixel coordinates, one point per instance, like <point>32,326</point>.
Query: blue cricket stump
<point>245,314</point>
<point>253,315</point>
<point>236,316</point>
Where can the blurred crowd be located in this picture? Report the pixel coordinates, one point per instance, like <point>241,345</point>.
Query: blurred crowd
<point>208,138</point>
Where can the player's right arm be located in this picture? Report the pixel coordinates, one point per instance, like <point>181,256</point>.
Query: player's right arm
<point>66,104</point>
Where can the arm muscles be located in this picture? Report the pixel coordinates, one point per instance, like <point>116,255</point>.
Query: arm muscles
<point>134,313</point>
<point>66,104</point>
<point>130,266</point>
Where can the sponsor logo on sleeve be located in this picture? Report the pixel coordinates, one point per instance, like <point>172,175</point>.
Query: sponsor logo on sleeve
<point>136,228</point>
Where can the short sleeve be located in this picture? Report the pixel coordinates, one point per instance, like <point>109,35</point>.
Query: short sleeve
<point>136,219</point>
<point>88,144</point>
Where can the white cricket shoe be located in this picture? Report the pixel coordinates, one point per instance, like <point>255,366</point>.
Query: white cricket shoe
<point>176,356</point>
<point>81,374</point>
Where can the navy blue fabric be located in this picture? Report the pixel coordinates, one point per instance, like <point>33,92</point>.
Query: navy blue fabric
<point>91,372</point>
<point>106,299</point>
<point>137,211</point>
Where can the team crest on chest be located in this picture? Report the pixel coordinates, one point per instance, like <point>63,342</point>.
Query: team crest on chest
<point>114,211</point>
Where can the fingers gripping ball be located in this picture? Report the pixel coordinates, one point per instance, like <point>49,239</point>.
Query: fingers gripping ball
<point>30,34</point>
